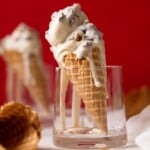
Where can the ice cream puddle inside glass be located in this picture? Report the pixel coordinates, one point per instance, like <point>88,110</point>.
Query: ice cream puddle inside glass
<point>78,47</point>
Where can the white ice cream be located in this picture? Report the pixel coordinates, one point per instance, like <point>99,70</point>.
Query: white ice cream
<point>65,27</point>
<point>63,23</point>
<point>23,39</point>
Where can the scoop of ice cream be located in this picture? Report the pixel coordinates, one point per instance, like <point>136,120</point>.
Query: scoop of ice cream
<point>23,39</point>
<point>81,42</point>
<point>70,31</point>
<point>63,23</point>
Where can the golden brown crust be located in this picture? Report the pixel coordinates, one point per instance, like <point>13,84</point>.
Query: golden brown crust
<point>19,127</point>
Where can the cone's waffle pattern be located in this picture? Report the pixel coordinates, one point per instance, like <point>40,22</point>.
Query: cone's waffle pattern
<point>36,84</point>
<point>93,97</point>
<point>19,127</point>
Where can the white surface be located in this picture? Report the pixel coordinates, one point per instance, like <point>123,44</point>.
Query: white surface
<point>138,123</point>
<point>138,129</point>
<point>143,140</point>
<point>46,142</point>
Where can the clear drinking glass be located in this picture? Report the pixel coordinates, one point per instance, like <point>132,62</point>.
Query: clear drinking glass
<point>16,90</point>
<point>75,118</point>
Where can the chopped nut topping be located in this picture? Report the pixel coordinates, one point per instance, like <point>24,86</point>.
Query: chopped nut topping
<point>29,38</point>
<point>87,44</point>
<point>78,37</point>
<point>88,38</point>
<point>62,17</point>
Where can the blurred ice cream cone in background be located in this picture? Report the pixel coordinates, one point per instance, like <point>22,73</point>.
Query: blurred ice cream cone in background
<point>22,52</point>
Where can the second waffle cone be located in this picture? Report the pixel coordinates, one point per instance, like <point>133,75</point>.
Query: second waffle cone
<point>37,84</point>
<point>94,98</point>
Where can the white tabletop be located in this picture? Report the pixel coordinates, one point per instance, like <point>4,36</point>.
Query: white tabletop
<point>46,143</point>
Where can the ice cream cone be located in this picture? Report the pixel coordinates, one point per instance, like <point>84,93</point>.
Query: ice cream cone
<point>93,97</point>
<point>19,127</point>
<point>22,52</point>
<point>80,50</point>
<point>36,82</point>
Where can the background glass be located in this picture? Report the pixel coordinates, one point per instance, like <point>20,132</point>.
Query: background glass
<point>16,90</point>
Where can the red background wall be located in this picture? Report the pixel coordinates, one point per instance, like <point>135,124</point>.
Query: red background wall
<point>125,24</point>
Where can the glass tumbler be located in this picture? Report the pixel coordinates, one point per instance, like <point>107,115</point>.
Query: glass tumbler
<point>87,116</point>
<point>16,90</point>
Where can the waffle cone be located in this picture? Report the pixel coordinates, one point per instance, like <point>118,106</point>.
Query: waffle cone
<point>93,97</point>
<point>19,127</point>
<point>36,83</point>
